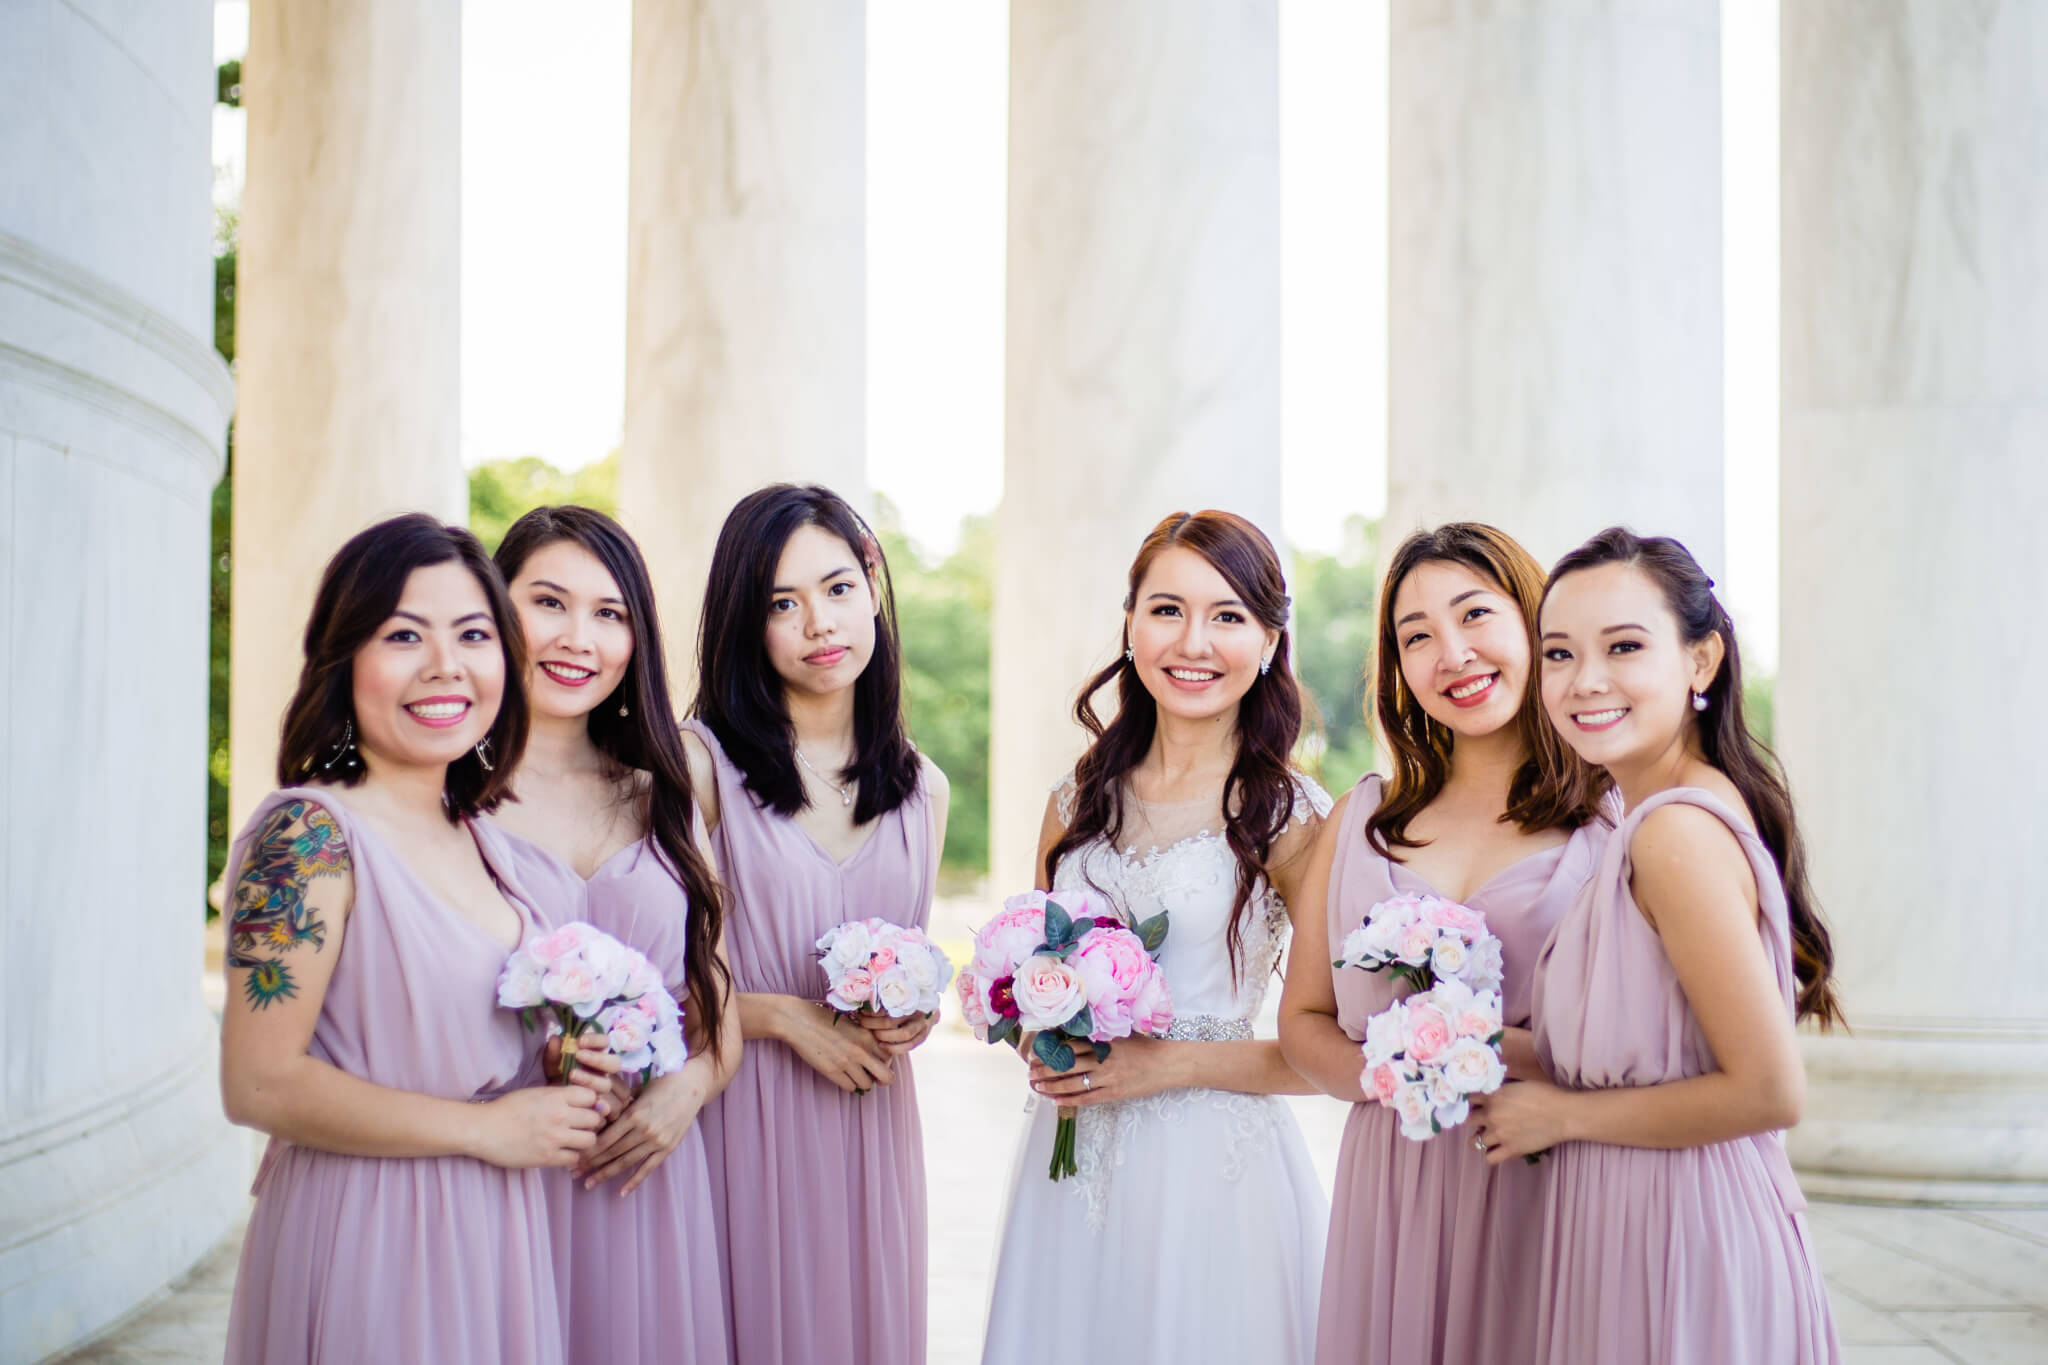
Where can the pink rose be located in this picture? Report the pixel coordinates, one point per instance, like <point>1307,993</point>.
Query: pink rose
<point>1414,944</point>
<point>1479,1019</point>
<point>1427,1032</point>
<point>882,961</point>
<point>852,990</point>
<point>973,993</point>
<point>1048,991</point>
<point>1381,1082</point>
<point>551,948</point>
<point>1451,915</point>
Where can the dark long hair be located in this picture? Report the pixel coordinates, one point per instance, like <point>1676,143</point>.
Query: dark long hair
<point>1259,793</point>
<point>1554,788</point>
<point>644,738</point>
<point>1725,741</point>
<point>739,693</point>
<point>359,589</point>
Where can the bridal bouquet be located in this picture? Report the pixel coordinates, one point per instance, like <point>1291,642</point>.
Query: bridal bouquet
<point>875,967</point>
<point>1069,971</point>
<point>1428,1053</point>
<point>580,980</point>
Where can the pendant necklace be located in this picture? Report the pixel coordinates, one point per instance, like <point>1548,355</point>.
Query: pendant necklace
<point>845,792</point>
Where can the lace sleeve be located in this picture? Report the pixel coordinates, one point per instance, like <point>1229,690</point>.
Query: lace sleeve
<point>1310,801</point>
<point>1064,792</point>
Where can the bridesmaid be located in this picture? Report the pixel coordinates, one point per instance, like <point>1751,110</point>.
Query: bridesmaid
<point>604,788</point>
<point>395,1215</point>
<point>1433,1256</point>
<point>1665,1000</point>
<point>820,812</point>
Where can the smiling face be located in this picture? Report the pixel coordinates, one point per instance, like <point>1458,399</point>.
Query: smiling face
<point>579,633</point>
<point>821,613</point>
<point>1196,646</point>
<point>1618,677</point>
<point>427,685</point>
<point>1463,647</point>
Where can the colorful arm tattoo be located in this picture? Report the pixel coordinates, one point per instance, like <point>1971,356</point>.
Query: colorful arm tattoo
<point>299,842</point>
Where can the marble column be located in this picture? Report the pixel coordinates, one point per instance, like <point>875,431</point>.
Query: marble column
<point>117,1171</point>
<point>347,341</point>
<point>1914,487</point>
<point>1554,289</point>
<point>1143,319</point>
<point>746,302</point>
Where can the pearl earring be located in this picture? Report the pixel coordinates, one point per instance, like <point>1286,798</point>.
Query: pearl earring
<point>1699,702</point>
<point>623,711</point>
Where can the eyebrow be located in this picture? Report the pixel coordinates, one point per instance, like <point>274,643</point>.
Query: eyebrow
<point>842,572</point>
<point>414,616</point>
<point>1176,597</point>
<point>1626,625</point>
<point>557,587</point>
<point>1419,615</point>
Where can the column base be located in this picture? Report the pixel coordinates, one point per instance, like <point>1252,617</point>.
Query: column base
<point>1903,1115</point>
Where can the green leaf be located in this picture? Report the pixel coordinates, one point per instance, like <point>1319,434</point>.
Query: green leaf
<point>1080,1025</point>
<point>1053,1051</point>
<point>1002,1031</point>
<point>1152,933</point>
<point>1101,1051</point>
<point>1059,926</point>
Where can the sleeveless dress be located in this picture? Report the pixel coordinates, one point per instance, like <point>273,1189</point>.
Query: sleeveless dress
<point>1194,1228</point>
<point>353,1258</point>
<point>1695,1256</point>
<point>1434,1255</point>
<point>819,1195</point>
<point>638,1277</point>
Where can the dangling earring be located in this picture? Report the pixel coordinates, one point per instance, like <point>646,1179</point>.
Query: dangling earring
<point>623,712</point>
<point>1699,701</point>
<point>481,756</point>
<point>1129,656</point>
<point>1265,664</point>
<point>341,750</point>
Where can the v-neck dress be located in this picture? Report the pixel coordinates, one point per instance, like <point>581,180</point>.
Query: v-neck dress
<point>819,1195</point>
<point>638,1277</point>
<point>1433,1255</point>
<point>354,1258</point>
<point>1685,1256</point>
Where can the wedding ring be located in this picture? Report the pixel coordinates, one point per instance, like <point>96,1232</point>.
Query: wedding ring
<point>1087,1082</point>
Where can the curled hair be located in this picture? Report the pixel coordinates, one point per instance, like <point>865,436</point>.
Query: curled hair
<point>1259,793</point>
<point>1726,742</point>
<point>359,590</point>
<point>739,693</point>
<point>643,739</point>
<point>1553,788</point>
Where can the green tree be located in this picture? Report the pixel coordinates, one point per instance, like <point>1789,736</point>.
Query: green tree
<point>1333,623</point>
<point>502,491</point>
<point>943,613</point>
<point>220,563</point>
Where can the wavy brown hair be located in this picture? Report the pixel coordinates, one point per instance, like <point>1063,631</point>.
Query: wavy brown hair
<point>635,729</point>
<point>1554,788</point>
<point>1259,793</point>
<point>359,589</point>
<point>1724,739</point>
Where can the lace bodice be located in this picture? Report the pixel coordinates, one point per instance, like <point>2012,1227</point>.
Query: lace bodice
<point>1174,857</point>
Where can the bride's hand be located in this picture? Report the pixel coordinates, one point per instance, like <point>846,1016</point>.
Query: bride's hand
<point>1136,1067</point>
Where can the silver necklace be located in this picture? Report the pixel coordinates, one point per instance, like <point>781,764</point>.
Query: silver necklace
<point>845,792</point>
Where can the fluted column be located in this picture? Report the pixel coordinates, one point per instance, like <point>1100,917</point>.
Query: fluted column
<point>1143,337</point>
<point>117,1170</point>
<point>1554,288</point>
<point>746,299</point>
<point>1914,489</point>
<point>346,324</point>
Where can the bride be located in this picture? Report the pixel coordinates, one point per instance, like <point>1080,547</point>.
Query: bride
<point>1195,1227</point>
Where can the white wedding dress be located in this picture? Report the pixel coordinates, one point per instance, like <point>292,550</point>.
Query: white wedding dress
<point>1194,1231</point>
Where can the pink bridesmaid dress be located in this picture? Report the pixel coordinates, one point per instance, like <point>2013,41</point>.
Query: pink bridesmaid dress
<point>819,1194</point>
<point>352,1258</point>
<point>1697,1256</point>
<point>638,1276</point>
<point>1433,1255</point>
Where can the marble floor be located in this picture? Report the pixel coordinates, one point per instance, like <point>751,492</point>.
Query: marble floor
<point>1910,1286</point>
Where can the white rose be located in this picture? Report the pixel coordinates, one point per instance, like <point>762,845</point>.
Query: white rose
<point>846,947</point>
<point>895,993</point>
<point>1411,1103</point>
<point>1473,1068</point>
<point>1357,947</point>
<point>1483,971</point>
<point>1048,992</point>
<point>519,985</point>
<point>1382,1037</point>
<point>1448,959</point>
<point>1452,1114</point>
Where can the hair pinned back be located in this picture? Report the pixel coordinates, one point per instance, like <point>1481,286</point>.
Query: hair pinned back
<point>1726,742</point>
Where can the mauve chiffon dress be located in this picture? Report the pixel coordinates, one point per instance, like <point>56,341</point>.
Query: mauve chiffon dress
<point>819,1194</point>
<point>352,1258</point>
<point>1694,1256</point>
<point>638,1277</point>
<point>1433,1255</point>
